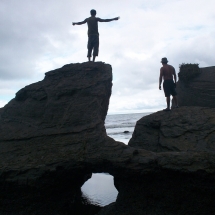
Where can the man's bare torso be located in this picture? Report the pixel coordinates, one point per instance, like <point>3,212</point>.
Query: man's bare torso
<point>167,72</point>
<point>92,23</point>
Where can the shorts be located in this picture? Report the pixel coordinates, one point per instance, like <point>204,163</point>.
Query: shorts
<point>93,44</point>
<point>169,88</point>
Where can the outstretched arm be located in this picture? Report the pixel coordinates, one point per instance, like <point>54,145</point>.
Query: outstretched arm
<point>80,23</point>
<point>108,20</point>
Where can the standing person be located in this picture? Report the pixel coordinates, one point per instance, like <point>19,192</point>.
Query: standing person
<point>167,72</point>
<point>93,34</point>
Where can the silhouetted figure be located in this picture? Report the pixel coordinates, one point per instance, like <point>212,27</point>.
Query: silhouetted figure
<point>93,34</point>
<point>167,72</point>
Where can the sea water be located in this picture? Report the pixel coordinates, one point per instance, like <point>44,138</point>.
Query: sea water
<point>100,190</point>
<point>121,126</point>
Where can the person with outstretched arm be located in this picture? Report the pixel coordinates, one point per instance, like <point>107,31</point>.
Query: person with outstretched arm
<point>167,72</point>
<point>93,34</point>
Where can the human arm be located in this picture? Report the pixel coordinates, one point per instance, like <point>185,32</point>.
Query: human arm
<point>160,78</point>
<point>107,20</point>
<point>175,77</point>
<point>80,23</point>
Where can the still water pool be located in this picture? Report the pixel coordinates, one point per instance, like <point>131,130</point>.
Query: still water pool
<point>99,190</point>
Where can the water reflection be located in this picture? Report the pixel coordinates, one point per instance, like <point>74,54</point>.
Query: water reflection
<point>99,189</point>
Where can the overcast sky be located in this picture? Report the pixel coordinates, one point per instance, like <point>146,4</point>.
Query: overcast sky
<point>38,36</point>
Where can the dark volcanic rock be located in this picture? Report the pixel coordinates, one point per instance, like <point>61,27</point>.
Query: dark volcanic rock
<point>52,137</point>
<point>200,91</point>
<point>46,132</point>
<point>69,100</point>
<point>51,122</point>
<point>165,193</point>
<point>175,136</point>
<point>183,129</point>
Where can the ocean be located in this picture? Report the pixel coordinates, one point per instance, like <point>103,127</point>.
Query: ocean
<point>99,190</point>
<point>121,126</point>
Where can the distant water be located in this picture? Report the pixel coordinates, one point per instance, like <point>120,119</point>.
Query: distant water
<point>116,125</point>
<point>100,190</point>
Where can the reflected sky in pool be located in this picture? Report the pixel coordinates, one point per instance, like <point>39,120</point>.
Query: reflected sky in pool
<point>100,189</point>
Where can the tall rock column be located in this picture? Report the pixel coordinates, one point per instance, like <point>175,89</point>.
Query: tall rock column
<point>50,123</point>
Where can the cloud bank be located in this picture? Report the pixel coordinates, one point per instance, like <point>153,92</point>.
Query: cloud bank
<point>38,36</point>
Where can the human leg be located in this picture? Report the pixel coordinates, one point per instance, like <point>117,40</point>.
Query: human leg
<point>95,47</point>
<point>89,53</point>
<point>89,47</point>
<point>167,94</point>
<point>175,100</point>
<point>174,95</point>
<point>168,102</point>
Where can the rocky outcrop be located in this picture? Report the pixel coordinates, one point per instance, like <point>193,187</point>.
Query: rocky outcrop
<point>181,130</point>
<point>200,91</point>
<point>69,100</point>
<point>49,124</point>
<point>183,138</point>
<point>46,132</point>
<point>52,137</point>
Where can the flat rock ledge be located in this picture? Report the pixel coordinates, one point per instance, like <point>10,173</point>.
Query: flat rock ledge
<point>52,138</point>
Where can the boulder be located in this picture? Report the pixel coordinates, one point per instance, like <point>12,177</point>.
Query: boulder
<point>69,100</point>
<point>200,91</point>
<point>45,134</point>
<point>184,129</point>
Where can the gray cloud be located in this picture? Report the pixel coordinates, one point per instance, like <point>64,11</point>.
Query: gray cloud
<point>29,31</point>
<point>38,36</point>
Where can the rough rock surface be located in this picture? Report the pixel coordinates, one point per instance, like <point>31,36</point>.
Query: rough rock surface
<point>177,135</point>
<point>169,193</point>
<point>185,129</point>
<point>200,91</point>
<point>69,100</point>
<point>52,137</point>
<point>50,123</point>
<point>46,132</point>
